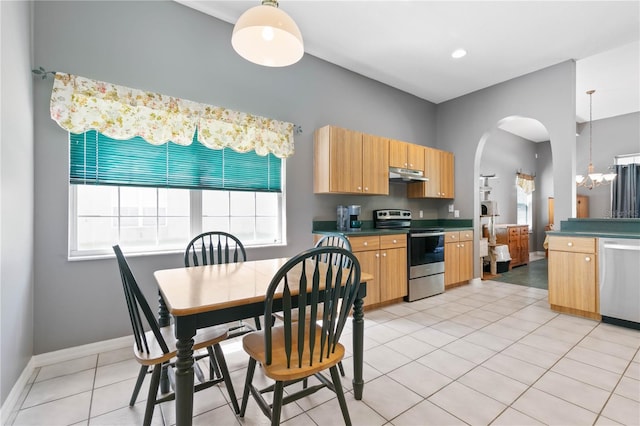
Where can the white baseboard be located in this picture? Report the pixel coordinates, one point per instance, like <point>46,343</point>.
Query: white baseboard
<point>80,351</point>
<point>12,399</point>
<point>53,358</point>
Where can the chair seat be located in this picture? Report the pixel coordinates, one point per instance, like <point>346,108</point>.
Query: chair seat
<point>254,345</point>
<point>203,338</point>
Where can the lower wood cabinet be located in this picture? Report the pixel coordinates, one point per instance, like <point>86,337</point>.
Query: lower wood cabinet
<point>385,257</point>
<point>458,257</point>
<point>517,238</point>
<point>573,276</point>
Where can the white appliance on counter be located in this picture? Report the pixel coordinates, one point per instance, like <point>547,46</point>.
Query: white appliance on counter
<point>618,276</point>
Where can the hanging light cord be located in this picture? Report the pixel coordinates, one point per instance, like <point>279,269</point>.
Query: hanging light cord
<point>590,92</point>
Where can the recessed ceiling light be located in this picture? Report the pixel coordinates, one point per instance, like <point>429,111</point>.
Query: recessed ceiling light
<point>458,53</point>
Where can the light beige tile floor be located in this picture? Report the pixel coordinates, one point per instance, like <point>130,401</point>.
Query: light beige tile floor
<point>489,353</point>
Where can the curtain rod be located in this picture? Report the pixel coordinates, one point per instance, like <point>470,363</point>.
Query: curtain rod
<point>42,72</point>
<point>525,175</point>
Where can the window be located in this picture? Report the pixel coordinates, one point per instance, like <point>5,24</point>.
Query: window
<point>175,193</point>
<point>524,208</point>
<point>525,185</point>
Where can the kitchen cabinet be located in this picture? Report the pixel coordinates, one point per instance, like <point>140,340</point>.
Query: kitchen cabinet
<point>439,167</point>
<point>573,276</point>
<point>385,257</point>
<point>406,155</point>
<point>350,162</point>
<point>517,238</point>
<point>458,257</point>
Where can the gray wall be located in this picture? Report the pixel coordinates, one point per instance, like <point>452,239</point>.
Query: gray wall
<point>16,177</point>
<point>168,48</point>
<point>465,124</point>
<point>505,154</point>
<point>544,190</point>
<point>611,136</point>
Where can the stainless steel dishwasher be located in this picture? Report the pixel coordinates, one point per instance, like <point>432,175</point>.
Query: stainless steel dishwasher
<point>620,281</point>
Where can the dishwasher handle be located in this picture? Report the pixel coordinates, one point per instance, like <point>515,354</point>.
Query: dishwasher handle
<point>622,247</point>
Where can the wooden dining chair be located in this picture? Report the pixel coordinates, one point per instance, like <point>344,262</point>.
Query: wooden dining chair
<point>294,350</point>
<point>157,347</point>
<point>331,240</point>
<point>218,247</point>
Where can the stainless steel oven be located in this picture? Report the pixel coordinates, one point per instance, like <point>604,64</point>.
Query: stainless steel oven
<point>426,263</point>
<point>425,253</point>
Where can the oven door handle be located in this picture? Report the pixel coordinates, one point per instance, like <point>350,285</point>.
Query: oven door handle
<point>427,234</point>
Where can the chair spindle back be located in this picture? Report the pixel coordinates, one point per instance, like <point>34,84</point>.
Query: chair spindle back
<point>305,281</point>
<point>136,302</point>
<point>214,247</point>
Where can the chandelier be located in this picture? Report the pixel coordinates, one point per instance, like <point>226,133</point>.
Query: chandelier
<point>593,179</point>
<point>265,35</point>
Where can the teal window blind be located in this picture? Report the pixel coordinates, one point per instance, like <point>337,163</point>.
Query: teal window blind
<point>100,160</point>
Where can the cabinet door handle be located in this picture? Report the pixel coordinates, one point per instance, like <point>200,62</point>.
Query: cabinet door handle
<point>359,188</point>
<point>461,245</point>
<point>377,254</point>
<point>366,188</point>
<point>365,243</point>
<point>570,244</point>
<point>587,259</point>
<point>384,254</point>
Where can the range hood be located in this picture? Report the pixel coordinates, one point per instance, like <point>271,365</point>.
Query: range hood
<point>398,174</point>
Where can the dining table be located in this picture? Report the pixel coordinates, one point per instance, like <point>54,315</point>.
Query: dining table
<point>203,296</point>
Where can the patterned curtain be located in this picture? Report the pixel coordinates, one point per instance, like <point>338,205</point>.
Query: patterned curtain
<point>80,104</point>
<point>526,182</point>
<point>625,197</point>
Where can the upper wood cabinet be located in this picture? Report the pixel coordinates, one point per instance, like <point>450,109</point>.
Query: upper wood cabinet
<point>439,168</point>
<point>350,162</point>
<point>406,155</point>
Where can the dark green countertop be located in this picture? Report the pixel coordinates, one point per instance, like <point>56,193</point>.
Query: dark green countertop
<point>599,228</point>
<point>329,227</point>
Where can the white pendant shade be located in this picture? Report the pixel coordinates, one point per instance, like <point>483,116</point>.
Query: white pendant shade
<point>267,36</point>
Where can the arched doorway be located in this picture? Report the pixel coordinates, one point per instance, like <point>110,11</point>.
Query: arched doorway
<point>515,144</point>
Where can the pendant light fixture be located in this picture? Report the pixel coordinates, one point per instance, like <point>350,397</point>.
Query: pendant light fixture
<point>593,179</point>
<point>265,35</point>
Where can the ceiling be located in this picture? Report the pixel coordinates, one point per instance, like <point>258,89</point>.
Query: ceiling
<point>408,45</point>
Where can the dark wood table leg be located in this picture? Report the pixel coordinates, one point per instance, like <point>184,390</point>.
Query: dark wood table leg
<point>358,347</point>
<point>164,319</point>
<point>185,331</point>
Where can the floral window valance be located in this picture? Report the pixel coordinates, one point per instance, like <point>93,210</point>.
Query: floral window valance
<point>80,104</point>
<point>526,182</point>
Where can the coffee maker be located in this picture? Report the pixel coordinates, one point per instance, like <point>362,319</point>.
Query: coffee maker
<point>354,223</point>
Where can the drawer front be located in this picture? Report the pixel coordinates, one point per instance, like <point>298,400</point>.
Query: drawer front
<point>514,232</point>
<point>393,241</point>
<point>466,235</point>
<point>365,243</point>
<point>451,236</point>
<point>573,244</point>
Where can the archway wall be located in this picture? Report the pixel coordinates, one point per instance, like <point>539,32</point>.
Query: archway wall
<point>465,123</point>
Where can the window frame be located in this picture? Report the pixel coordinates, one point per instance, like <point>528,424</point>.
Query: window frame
<point>195,224</point>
